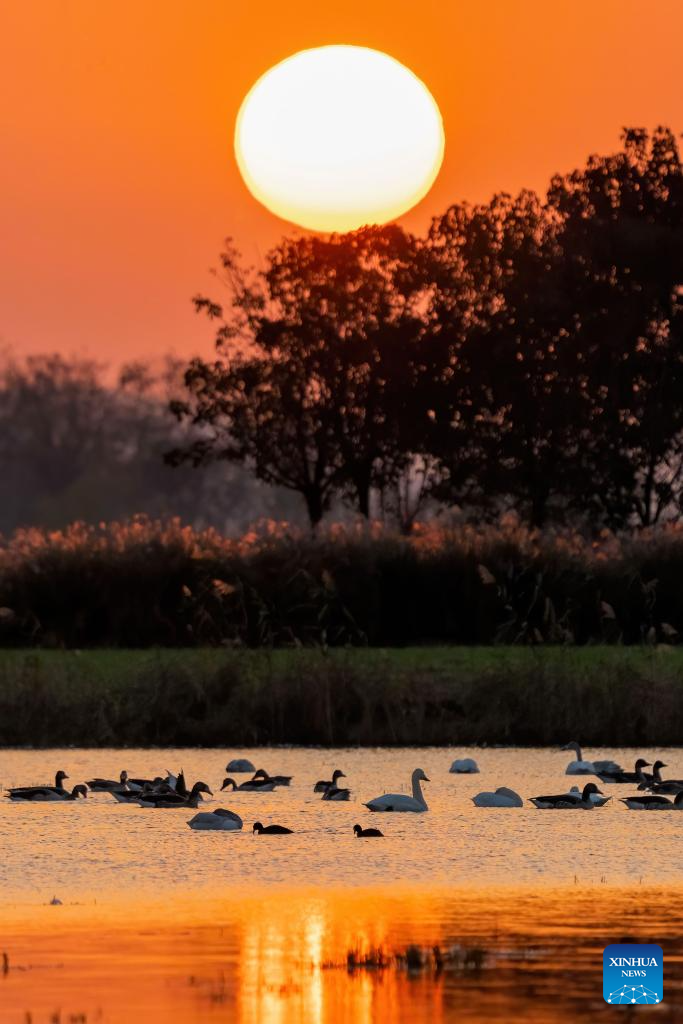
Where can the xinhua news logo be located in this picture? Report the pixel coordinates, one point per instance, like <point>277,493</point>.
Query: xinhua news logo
<point>632,973</point>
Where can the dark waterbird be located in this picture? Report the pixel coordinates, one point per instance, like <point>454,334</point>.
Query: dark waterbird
<point>108,785</point>
<point>568,801</point>
<point>667,786</point>
<point>77,791</point>
<point>653,778</point>
<point>277,780</point>
<point>133,796</point>
<point>173,799</point>
<point>139,784</point>
<point>652,803</point>
<point>336,793</point>
<point>49,794</point>
<point>367,833</point>
<point>656,784</point>
<point>623,778</point>
<point>250,786</point>
<point>270,830</point>
<point>322,785</point>
<point>23,792</point>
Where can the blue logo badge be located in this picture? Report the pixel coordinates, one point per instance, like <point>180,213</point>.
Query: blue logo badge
<point>632,973</point>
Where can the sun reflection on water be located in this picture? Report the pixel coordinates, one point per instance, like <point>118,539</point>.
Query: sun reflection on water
<point>265,958</point>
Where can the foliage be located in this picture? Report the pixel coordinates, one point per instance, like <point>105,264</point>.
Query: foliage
<point>529,351</point>
<point>147,583</point>
<point>79,442</point>
<point>316,363</point>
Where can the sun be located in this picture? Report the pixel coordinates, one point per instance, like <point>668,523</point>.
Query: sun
<point>339,136</point>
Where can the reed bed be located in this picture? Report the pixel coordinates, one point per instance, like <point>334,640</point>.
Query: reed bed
<point>145,583</point>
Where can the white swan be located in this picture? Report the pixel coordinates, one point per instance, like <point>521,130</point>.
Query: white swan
<point>219,820</point>
<point>464,766</point>
<point>503,797</point>
<point>599,801</point>
<point>239,764</point>
<point>401,802</point>
<point>581,767</point>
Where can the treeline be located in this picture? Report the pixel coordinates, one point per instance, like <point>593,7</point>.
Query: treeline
<point>150,584</point>
<point>80,442</point>
<point>526,354</point>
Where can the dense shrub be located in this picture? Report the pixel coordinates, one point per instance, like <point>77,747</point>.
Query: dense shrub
<point>146,583</point>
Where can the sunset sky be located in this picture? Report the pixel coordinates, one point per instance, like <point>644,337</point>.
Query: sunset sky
<point>117,175</point>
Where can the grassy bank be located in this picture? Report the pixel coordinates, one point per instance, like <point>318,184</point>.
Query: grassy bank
<point>226,698</point>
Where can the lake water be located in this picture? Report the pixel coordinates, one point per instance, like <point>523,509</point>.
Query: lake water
<point>160,923</point>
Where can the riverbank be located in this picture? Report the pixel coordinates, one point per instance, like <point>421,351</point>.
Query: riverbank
<point>604,696</point>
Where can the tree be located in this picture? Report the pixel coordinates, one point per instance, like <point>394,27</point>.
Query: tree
<point>527,354</point>
<point>78,442</point>
<point>622,219</point>
<point>508,414</point>
<point>563,318</point>
<point>312,385</point>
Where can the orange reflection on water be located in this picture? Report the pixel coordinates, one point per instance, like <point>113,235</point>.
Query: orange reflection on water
<point>281,957</point>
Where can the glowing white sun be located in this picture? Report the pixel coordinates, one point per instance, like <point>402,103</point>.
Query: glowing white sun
<point>337,137</point>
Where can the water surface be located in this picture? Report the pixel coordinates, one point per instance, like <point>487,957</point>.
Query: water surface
<point>160,923</point>
<point>98,847</point>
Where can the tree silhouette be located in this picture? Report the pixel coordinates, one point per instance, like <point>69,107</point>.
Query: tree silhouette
<point>312,384</point>
<point>563,319</point>
<point>622,221</point>
<point>526,354</point>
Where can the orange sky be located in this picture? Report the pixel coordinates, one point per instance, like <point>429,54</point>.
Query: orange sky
<point>117,177</point>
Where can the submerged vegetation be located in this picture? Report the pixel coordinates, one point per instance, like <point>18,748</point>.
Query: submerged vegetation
<point>414,958</point>
<point>145,583</point>
<point>419,696</point>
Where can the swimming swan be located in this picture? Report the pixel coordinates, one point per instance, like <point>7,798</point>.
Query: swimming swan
<point>239,765</point>
<point>568,801</point>
<point>219,820</point>
<point>464,766</point>
<point>581,767</point>
<point>401,802</point>
<point>503,797</point>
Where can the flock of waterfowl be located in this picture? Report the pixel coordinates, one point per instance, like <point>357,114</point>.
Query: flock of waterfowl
<point>657,789</point>
<point>172,791</point>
